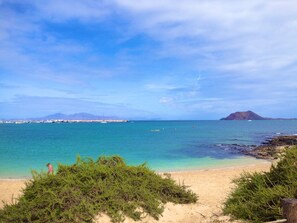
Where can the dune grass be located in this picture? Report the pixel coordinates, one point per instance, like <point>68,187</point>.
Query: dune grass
<point>257,196</point>
<point>79,192</point>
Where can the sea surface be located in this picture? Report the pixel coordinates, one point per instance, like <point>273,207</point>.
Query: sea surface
<point>163,145</point>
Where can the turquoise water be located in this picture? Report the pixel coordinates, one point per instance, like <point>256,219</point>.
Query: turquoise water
<point>164,145</point>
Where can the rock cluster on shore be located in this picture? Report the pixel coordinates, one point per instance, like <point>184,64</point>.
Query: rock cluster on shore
<point>272,148</point>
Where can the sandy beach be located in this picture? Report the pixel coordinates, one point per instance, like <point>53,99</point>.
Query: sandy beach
<point>212,186</point>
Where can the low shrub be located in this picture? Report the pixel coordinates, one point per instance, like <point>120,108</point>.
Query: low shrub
<point>78,192</point>
<point>257,196</point>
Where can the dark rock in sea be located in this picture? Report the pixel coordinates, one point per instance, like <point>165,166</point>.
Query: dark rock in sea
<point>236,148</point>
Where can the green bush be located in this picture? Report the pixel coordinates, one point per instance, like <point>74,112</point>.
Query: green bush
<point>78,192</point>
<point>257,196</point>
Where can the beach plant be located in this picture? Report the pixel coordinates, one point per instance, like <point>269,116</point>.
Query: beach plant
<point>79,192</point>
<point>257,196</point>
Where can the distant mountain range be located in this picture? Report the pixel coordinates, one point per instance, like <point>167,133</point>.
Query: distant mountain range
<point>249,115</point>
<point>76,116</point>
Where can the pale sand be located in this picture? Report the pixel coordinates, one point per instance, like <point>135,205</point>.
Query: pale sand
<point>212,187</point>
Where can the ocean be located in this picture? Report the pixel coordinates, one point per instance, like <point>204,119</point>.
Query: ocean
<point>162,145</point>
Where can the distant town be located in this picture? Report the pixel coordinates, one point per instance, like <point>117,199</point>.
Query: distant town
<point>57,121</point>
<point>63,118</point>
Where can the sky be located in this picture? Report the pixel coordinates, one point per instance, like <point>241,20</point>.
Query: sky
<point>191,59</point>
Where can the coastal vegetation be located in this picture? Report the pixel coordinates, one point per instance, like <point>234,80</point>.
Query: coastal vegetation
<point>79,192</point>
<point>257,196</point>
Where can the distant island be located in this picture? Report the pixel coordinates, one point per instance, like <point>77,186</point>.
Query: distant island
<point>60,117</point>
<point>249,115</point>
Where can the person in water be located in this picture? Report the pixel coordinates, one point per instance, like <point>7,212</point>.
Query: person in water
<point>50,168</point>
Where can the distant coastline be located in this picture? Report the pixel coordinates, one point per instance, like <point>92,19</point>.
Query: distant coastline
<point>63,118</point>
<point>89,118</point>
<point>61,121</point>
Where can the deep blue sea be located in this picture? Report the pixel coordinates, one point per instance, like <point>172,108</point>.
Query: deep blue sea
<point>163,145</point>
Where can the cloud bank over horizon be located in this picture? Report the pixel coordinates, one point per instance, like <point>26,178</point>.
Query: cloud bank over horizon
<point>148,60</point>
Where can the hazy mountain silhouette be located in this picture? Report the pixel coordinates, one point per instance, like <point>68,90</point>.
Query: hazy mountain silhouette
<point>76,116</point>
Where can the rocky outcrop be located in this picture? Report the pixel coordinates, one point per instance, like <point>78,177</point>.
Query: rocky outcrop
<point>272,148</point>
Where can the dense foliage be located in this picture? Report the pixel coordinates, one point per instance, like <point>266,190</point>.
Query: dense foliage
<point>257,195</point>
<point>78,192</point>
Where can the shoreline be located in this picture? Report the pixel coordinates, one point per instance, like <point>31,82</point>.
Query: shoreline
<point>212,186</point>
<point>240,162</point>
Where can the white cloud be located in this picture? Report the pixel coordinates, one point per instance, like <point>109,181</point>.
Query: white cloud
<point>241,47</point>
<point>227,36</point>
<point>166,100</point>
<point>160,87</point>
<point>249,47</point>
<point>224,35</point>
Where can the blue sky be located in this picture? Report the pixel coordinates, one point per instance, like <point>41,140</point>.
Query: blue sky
<point>165,59</point>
